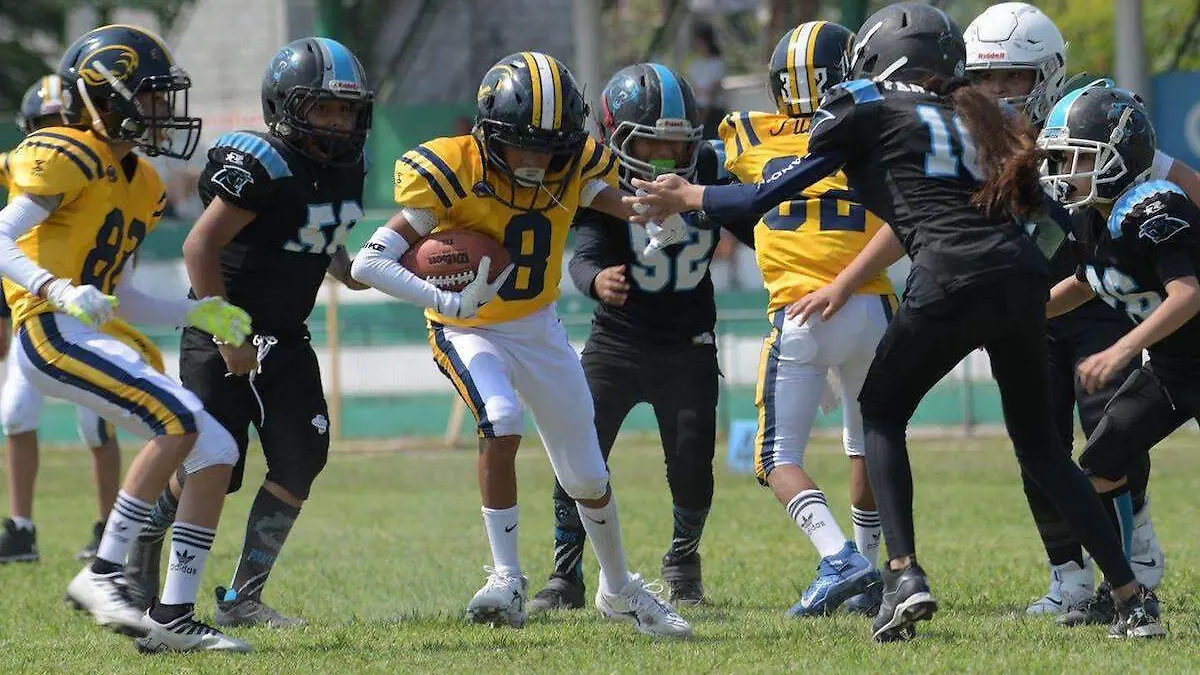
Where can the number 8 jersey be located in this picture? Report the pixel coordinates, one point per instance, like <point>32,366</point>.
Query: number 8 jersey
<point>445,178</point>
<point>107,209</point>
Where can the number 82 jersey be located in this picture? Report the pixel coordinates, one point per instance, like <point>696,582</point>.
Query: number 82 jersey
<point>303,210</point>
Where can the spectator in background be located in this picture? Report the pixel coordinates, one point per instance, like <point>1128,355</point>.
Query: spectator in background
<point>705,73</point>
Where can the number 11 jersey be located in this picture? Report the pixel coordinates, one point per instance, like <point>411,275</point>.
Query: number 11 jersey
<point>445,177</point>
<point>303,210</point>
<point>107,209</point>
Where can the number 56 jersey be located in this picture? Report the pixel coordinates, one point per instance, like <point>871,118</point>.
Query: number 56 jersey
<point>303,210</point>
<point>107,209</point>
<point>445,177</point>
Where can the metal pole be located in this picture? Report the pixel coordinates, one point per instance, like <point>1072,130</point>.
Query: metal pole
<point>333,343</point>
<point>587,27</point>
<point>1131,49</point>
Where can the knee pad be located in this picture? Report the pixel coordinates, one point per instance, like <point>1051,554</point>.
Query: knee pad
<point>214,445</point>
<point>502,417</point>
<point>93,431</point>
<point>298,475</point>
<point>20,403</point>
<point>586,487</point>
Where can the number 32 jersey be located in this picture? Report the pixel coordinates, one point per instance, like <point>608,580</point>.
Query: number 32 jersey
<point>274,266</point>
<point>107,209</point>
<point>445,177</point>
<point>1149,239</point>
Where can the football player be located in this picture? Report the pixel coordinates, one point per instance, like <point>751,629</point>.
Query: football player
<point>802,245</point>
<point>21,402</point>
<point>1017,54</point>
<point>909,133</point>
<point>279,206</point>
<point>653,337</point>
<point>81,203</point>
<point>1138,251</point>
<point>520,177</point>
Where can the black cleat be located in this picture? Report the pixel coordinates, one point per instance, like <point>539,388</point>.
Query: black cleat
<point>559,593</point>
<point>18,544</point>
<point>906,600</point>
<point>1098,610</point>
<point>684,579</point>
<point>1138,617</point>
<point>93,546</point>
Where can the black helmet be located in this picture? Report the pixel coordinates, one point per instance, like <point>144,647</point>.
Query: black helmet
<point>1108,123</point>
<point>530,101</point>
<point>807,61</point>
<point>908,42</point>
<point>104,72</point>
<point>42,105</point>
<point>304,73</point>
<point>649,100</point>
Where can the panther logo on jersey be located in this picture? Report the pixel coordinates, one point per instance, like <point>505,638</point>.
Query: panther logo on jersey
<point>101,66</point>
<point>234,179</point>
<point>1162,228</point>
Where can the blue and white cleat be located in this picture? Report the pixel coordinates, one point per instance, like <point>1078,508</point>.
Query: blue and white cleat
<point>839,577</point>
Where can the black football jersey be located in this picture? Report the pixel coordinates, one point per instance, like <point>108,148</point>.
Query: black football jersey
<point>275,265</point>
<point>671,293</point>
<point>1063,264</point>
<point>1149,239</point>
<point>912,162</point>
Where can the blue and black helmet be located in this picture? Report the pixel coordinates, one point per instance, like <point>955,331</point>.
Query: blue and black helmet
<point>651,101</point>
<point>807,61</point>
<point>308,71</point>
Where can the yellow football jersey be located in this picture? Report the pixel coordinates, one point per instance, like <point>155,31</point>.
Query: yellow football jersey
<point>804,243</point>
<point>442,175</point>
<point>108,207</point>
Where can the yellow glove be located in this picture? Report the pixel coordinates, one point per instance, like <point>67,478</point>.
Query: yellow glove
<point>228,323</point>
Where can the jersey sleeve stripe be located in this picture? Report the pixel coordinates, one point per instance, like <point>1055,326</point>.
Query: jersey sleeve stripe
<point>62,150</point>
<point>748,126</point>
<point>612,159</point>
<point>276,166</point>
<point>75,143</point>
<point>597,153</point>
<point>444,169</point>
<point>430,179</point>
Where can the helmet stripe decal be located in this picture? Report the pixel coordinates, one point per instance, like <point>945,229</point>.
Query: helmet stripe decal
<point>339,57</point>
<point>792,91</point>
<point>1058,116</point>
<point>814,93</point>
<point>558,90</point>
<point>798,69</point>
<point>670,93</point>
<point>536,78</point>
<point>544,78</point>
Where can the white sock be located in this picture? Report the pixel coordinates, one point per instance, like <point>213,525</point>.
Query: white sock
<point>501,525</point>
<point>812,514</point>
<point>867,533</point>
<point>604,530</point>
<point>190,545</point>
<point>22,522</point>
<point>126,520</point>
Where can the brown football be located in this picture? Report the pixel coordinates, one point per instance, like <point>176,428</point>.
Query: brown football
<point>449,259</point>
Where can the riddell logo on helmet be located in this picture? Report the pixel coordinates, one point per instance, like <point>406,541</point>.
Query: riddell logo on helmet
<point>991,56</point>
<point>343,85</point>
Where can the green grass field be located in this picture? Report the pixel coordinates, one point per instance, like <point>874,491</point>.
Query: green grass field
<point>391,547</point>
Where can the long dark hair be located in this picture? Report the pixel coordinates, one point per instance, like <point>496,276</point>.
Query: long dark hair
<point>1008,153</point>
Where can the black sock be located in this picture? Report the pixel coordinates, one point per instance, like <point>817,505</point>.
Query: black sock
<point>168,613</point>
<point>163,513</point>
<point>267,529</point>
<point>569,538</point>
<point>689,527</point>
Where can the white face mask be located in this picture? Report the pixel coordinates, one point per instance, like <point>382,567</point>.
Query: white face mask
<point>529,176</point>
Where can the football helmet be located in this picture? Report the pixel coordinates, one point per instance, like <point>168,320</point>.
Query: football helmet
<point>807,61</point>
<point>908,42</point>
<point>529,101</point>
<point>42,105</point>
<point>304,73</point>
<point>1018,36</point>
<point>106,70</point>
<point>649,100</point>
<point>1112,126</point>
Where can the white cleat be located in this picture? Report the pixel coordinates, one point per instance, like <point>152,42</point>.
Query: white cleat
<point>640,603</point>
<point>1070,585</point>
<point>501,601</point>
<point>186,634</point>
<point>1146,556</point>
<point>110,598</point>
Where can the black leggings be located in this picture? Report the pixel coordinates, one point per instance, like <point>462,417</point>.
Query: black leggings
<point>1006,317</point>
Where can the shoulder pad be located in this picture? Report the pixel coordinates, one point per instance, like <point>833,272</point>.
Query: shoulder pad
<point>245,149</point>
<point>1143,202</point>
<point>434,174</point>
<point>855,92</point>
<point>57,160</point>
<point>597,161</point>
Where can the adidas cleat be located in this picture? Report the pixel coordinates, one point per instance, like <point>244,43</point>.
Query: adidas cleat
<point>186,634</point>
<point>501,601</point>
<point>839,577</point>
<point>641,604</point>
<point>109,598</point>
<point>906,600</point>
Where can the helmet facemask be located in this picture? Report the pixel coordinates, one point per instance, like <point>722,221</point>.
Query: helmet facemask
<point>622,139</point>
<point>152,123</point>
<point>327,145</point>
<point>523,187</point>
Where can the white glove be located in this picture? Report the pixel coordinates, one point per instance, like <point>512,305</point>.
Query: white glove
<point>466,303</point>
<point>85,303</point>
<point>672,231</point>
<point>640,209</point>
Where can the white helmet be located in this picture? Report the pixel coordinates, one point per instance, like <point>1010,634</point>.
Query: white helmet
<point>1015,35</point>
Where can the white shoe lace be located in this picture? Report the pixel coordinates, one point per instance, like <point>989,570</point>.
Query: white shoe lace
<point>647,597</point>
<point>500,578</point>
